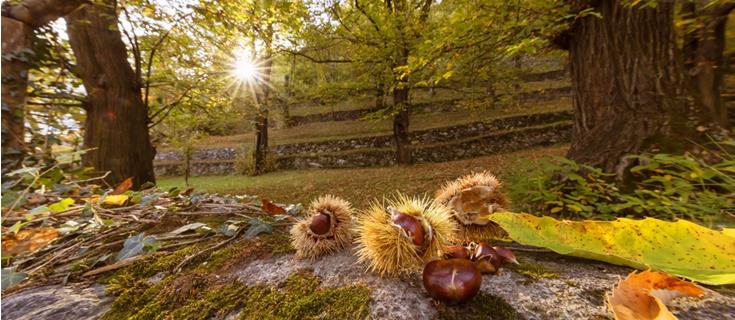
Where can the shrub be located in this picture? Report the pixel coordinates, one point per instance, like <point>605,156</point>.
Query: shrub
<point>245,161</point>
<point>667,187</point>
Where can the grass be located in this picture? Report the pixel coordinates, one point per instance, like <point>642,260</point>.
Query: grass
<point>332,130</point>
<point>359,185</point>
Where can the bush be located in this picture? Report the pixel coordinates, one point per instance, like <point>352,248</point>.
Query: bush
<point>668,187</point>
<point>245,161</point>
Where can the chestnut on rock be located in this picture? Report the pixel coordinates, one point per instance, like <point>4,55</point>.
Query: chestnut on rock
<point>401,236</point>
<point>471,199</point>
<point>452,280</point>
<point>327,228</point>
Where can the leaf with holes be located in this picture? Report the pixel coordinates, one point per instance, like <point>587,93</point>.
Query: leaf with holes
<point>677,247</point>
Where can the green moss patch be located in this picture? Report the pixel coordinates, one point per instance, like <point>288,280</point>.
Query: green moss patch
<point>482,306</point>
<point>533,270</point>
<point>198,296</point>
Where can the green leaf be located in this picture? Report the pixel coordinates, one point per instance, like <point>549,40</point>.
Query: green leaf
<point>135,245</point>
<point>257,227</point>
<point>10,278</point>
<point>61,205</point>
<point>681,248</point>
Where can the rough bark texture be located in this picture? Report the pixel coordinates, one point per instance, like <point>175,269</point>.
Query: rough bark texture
<point>117,120</point>
<point>400,127</point>
<point>263,101</point>
<point>628,94</point>
<point>18,21</point>
<point>704,56</point>
<point>16,52</point>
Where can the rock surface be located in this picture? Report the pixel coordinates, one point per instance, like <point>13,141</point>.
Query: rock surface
<point>553,287</point>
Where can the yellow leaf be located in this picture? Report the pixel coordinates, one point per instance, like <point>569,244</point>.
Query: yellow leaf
<point>556,209</point>
<point>115,200</point>
<point>643,296</point>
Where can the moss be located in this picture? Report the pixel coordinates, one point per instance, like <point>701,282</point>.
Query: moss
<point>533,270</point>
<point>194,296</point>
<point>280,242</point>
<point>302,298</point>
<point>482,306</point>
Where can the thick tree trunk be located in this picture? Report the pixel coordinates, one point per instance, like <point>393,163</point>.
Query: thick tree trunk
<point>400,126</point>
<point>116,126</point>
<point>704,56</point>
<point>264,101</point>
<point>18,21</point>
<point>628,92</point>
<point>261,141</point>
<point>16,52</point>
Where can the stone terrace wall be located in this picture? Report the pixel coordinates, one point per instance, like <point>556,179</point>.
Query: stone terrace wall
<point>441,152</point>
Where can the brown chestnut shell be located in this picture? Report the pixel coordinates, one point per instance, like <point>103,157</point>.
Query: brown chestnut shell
<point>320,224</point>
<point>452,281</point>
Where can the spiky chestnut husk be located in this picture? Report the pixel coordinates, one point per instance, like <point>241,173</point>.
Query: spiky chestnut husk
<point>400,235</point>
<point>471,199</point>
<point>327,228</point>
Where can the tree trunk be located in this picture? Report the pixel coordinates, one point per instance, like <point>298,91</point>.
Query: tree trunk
<point>628,92</point>
<point>261,141</point>
<point>400,126</point>
<point>263,101</point>
<point>16,46</point>
<point>18,22</point>
<point>704,57</point>
<point>116,126</point>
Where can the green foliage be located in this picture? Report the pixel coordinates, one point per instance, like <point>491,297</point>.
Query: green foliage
<point>245,161</point>
<point>681,248</point>
<point>668,187</point>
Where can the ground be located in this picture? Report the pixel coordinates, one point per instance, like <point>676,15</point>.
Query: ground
<point>359,185</point>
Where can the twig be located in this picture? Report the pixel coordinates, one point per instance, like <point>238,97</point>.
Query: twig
<point>190,258</point>
<point>110,267</point>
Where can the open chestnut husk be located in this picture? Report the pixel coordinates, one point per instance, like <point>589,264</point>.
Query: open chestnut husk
<point>327,228</point>
<point>471,199</point>
<point>452,281</point>
<point>402,234</point>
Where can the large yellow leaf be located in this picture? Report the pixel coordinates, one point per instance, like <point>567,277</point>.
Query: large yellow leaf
<point>680,248</point>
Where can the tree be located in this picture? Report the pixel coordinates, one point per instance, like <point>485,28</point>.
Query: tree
<point>629,92</point>
<point>704,46</point>
<point>19,19</point>
<point>116,126</point>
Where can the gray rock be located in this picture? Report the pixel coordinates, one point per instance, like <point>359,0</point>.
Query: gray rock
<point>76,302</point>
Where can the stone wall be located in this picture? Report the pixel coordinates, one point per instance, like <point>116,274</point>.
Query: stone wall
<point>474,146</point>
<point>435,106</point>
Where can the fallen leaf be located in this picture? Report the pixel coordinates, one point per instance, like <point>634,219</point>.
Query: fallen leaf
<point>134,246</point>
<point>271,208</point>
<point>115,200</point>
<point>28,240</point>
<point>676,247</point>
<point>643,296</point>
<point>61,205</point>
<point>257,227</point>
<point>123,186</point>
<point>189,227</point>
<point>10,277</point>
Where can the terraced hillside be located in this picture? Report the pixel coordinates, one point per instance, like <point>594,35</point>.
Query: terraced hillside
<point>442,128</point>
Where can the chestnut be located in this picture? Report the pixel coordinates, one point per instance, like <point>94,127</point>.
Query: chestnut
<point>506,255</point>
<point>459,252</point>
<point>486,258</point>
<point>320,224</point>
<point>452,280</point>
<point>410,225</point>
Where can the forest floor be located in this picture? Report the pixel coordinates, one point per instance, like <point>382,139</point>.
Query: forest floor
<point>359,185</point>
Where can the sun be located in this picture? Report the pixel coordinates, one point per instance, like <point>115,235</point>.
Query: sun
<point>245,69</point>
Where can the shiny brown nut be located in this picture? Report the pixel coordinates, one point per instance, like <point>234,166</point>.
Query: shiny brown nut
<point>320,224</point>
<point>452,281</point>
<point>411,226</point>
<point>458,252</point>
<point>506,255</point>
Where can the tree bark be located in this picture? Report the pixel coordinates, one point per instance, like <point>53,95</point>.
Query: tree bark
<point>704,56</point>
<point>16,53</point>
<point>263,101</point>
<point>116,126</point>
<point>400,126</point>
<point>18,22</point>
<point>628,91</point>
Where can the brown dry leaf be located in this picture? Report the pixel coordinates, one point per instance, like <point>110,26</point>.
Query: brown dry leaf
<point>28,240</point>
<point>123,186</point>
<point>642,296</point>
<point>269,207</point>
